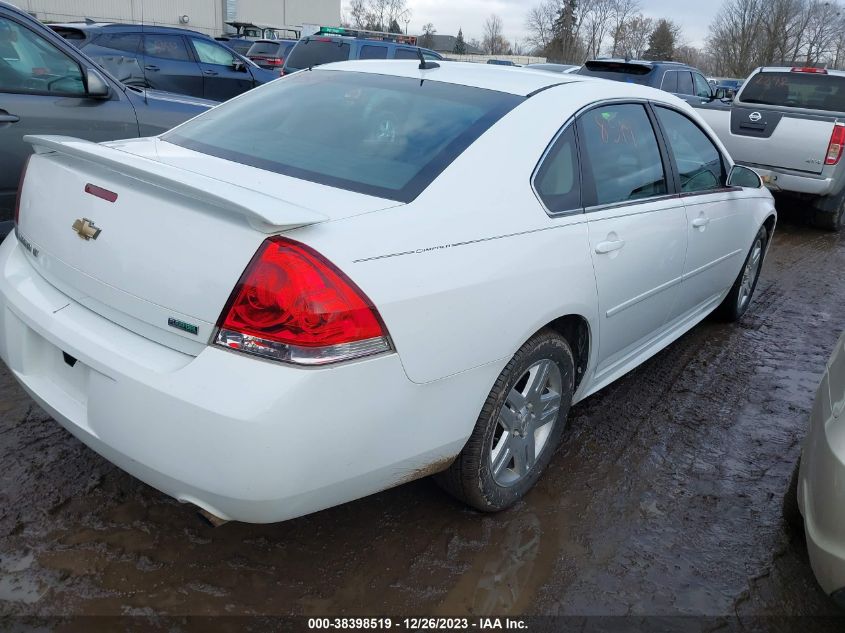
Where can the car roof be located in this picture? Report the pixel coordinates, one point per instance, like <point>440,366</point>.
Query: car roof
<point>520,81</point>
<point>786,69</point>
<point>119,26</point>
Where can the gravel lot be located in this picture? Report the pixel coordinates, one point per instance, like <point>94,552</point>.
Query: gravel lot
<point>664,499</point>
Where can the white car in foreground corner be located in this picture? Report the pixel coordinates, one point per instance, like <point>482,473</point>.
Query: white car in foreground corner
<point>368,273</point>
<point>819,486</point>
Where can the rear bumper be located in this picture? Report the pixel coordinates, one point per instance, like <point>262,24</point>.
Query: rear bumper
<point>242,438</point>
<point>778,180</point>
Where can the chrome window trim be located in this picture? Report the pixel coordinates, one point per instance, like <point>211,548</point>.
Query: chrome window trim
<point>631,203</point>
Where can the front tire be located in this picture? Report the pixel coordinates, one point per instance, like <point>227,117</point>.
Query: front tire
<point>739,298</point>
<point>519,427</point>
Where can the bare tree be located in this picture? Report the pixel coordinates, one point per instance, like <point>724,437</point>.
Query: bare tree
<point>494,42</point>
<point>377,15</point>
<point>621,12</point>
<point>427,39</point>
<point>540,22</point>
<point>595,18</point>
<point>734,38</point>
<point>633,36</point>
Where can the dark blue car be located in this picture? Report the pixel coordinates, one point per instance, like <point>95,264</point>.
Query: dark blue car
<point>164,58</point>
<point>49,87</point>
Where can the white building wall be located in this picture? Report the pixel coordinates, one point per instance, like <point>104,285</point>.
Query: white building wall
<point>206,16</point>
<point>290,12</point>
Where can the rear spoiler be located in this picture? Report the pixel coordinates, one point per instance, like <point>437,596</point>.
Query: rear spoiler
<point>265,213</point>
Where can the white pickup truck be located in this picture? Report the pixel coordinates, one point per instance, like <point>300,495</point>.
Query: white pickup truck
<point>788,124</point>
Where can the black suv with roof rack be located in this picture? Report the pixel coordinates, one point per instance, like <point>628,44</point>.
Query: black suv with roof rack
<point>686,82</point>
<point>341,44</point>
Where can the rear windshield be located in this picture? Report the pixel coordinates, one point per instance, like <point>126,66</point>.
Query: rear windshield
<point>797,90</point>
<point>619,71</point>
<point>374,134</point>
<point>313,52</point>
<point>264,48</point>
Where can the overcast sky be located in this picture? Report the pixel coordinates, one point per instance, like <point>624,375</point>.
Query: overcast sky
<point>448,15</point>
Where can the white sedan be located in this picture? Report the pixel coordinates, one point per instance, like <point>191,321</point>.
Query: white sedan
<point>368,273</point>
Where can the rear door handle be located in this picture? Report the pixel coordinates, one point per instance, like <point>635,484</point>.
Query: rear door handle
<point>603,248</point>
<point>152,68</point>
<point>701,222</point>
<point>213,73</point>
<point>5,117</point>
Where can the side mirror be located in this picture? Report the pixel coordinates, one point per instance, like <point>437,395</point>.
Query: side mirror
<point>96,85</point>
<point>746,177</point>
<point>238,66</point>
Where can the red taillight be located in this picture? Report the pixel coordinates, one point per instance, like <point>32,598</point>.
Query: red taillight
<point>17,215</point>
<point>292,304</point>
<point>809,69</point>
<point>837,143</point>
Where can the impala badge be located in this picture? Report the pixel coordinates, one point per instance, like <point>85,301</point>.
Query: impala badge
<point>86,229</point>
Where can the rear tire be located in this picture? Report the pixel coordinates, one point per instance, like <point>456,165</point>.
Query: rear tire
<point>740,295</point>
<point>519,427</point>
<point>830,220</point>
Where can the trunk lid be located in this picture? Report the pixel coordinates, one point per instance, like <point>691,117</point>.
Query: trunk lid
<point>173,244</point>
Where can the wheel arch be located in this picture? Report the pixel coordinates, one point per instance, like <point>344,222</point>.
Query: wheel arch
<point>576,329</point>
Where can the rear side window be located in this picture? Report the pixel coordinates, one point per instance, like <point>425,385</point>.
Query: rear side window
<point>375,134</point>
<point>373,52</point>
<point>166,47</point>
<point>797,90</point>
<point>670,81</point>
<point>126,42</point>
<point>621,154</point>
<point>558,181</point>
<point>406,53</point>
<point>314,52</point>
<point>700,164</point>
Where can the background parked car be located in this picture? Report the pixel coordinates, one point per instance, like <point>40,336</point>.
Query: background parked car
<point>815,500</point>
<point>340,45</point>
<point>176,60</point>
<point>726,88</point>
<point>788,123</point>
<point>555,68</point>
<point>684,81</point>
<point>238,44</point>
<point>502,62</point>
<point>270,54</point>
<point>48,86</point>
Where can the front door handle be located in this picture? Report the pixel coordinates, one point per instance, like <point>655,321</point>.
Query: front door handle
<point>212,73</point>
<point>603,248</point>
<point>5,117</point>
<point>154,69</point>
<point>701,222</point>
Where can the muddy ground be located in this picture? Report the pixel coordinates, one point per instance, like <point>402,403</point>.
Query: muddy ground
<point>664,499</point>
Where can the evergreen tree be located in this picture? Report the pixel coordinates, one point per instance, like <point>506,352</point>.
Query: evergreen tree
<point>564,44</point>
<point>394,27</point>
<point>460,44</point>
<point>661,44</point>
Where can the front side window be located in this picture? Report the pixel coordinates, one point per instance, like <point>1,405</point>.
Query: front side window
<point>558,181</point>
<point>373,52</point>
<point>700,164</point>
<point>702,88</point>
<point>29,63</point>
<point>166,47</point>
<point>375,134</point>
<point>210,53</point>
<point>620,151</point>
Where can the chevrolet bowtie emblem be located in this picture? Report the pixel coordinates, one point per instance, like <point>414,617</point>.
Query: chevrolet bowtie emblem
<point>85,229</point>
